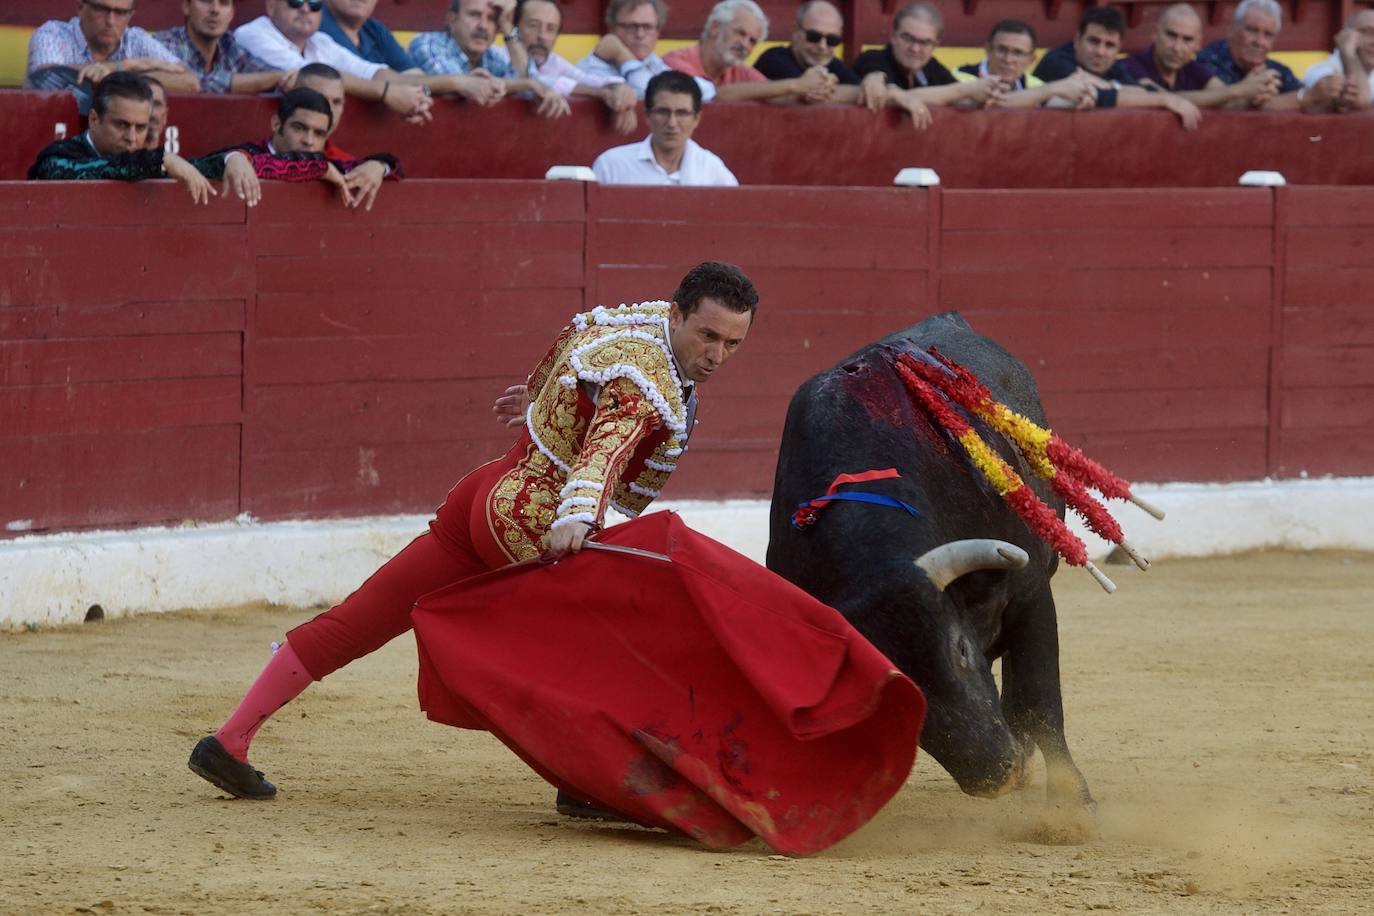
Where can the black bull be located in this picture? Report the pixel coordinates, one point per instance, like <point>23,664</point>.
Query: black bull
<point>942,594</point>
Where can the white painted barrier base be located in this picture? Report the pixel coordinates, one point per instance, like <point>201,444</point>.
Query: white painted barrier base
<point>47,580</point>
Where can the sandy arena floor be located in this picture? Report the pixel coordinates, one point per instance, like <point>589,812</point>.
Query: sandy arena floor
<point>1220,709</point>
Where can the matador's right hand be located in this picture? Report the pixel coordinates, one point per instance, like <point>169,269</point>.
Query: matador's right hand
<point>510,407</point>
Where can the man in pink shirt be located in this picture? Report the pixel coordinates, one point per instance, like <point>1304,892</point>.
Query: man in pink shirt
<point>732,31</point>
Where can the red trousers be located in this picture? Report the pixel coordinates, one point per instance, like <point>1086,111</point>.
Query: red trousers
<point>458,545</point>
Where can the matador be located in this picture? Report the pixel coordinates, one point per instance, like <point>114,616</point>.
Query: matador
<point>604,419</point>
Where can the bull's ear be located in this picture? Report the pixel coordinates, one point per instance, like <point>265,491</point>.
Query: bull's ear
<point>943,564</point>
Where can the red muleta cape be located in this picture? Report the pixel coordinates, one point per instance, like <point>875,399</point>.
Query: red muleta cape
<point>706,695</point>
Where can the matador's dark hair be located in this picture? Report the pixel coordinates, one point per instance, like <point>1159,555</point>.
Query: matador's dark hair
<point>724,283</point>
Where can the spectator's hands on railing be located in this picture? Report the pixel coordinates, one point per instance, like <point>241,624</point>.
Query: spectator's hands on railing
<point>907,101</point>
<point>412,102</point>
<point>548,103</point>
<point>612,50</point>
<point>333,176</point>
<point>241,180</point>
<point>1188,114</point>
<point>287,81</point>
<point>479,86</point>
<point>1325,94</point>
<point>873,92</point>
<point>1349,98</point>
<point>193,181</point>
<point>983,91</point>
<point>510,407</point>
<point>1257,87</point>
<point>364,182</point>
<point>624,122</point>
<point>1075,89</point>
<point>817,84</point>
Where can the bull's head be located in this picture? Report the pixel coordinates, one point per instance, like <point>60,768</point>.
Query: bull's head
<point>965,729</point>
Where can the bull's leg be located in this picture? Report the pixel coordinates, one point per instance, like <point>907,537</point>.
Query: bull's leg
<point>1031,698</point>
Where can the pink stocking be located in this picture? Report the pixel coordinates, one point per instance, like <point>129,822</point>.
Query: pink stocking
<point>280,682</point>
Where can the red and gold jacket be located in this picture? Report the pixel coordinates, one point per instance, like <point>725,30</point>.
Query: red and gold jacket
<point>606,424</point>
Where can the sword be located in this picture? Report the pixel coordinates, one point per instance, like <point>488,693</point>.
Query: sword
<point>628,551</point>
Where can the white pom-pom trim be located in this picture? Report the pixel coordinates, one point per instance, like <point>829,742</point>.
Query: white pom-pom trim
<point>587,517</point>
<point>572,501</point>
<point>580,485</point>
<point>659,466</point>
<point>642,491</point>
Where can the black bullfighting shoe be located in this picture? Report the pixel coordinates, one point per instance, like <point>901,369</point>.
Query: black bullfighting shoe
<point>570,805</point>
<point>211,761</point>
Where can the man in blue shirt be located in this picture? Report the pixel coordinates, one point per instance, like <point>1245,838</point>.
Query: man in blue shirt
<point>1253,33</point>
<point>350,23</point>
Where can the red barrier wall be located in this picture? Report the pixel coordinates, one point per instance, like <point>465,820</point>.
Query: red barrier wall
<point>827,146</point>
<point>161,362</point>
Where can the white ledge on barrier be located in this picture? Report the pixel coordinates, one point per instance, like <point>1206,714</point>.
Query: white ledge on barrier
<point>570,173</point>
<point>917,178</point>
<point>1259,178</point>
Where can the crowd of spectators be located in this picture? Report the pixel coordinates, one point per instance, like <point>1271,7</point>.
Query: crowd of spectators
<point>314,53</point>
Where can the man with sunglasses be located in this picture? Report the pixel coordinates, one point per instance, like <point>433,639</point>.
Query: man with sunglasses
<point>289,37</point>
<point>627,48</point>
<point>99,41</point>
<point>669,155</point>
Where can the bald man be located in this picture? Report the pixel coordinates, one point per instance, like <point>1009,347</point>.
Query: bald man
<point>1170,64</point>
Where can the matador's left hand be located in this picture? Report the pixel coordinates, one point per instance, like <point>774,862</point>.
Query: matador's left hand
<point>510,407</point>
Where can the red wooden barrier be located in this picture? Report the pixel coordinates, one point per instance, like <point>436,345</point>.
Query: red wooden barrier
<point>161,362</point>
<point>829,146</point>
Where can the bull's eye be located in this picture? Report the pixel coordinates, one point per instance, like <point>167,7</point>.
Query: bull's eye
<point>965,652</point>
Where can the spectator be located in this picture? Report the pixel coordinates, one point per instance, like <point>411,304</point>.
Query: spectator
<point>537,24</point>
<point>293,152</point>
<point>733,29</point>
<point>1010,51</point>
<point>288,38</point>
<point>908,62</point>
<point>1093,51</point>
<point>669,155</point>
<point>1256,26</point>
<point>205,46</point>
<point>1170,64</point>
<point>466,49</point>
<point>814,40</point>
<point>1352,61</point>
<point>627,50</point>
<point>350,23</point>
<point>364,176</point>
<point>113,144</point>
<point>157,119</point>
<point>99,41</point>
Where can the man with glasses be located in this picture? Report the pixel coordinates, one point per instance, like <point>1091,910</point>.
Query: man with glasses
<point>99,41</point>
<point>1010,51</point>
<point>627,49</point>
<point>733,29</point>
<point>669,155</point>
<point>908,62</point>
<point>219,63</point>
<point>289,37</point>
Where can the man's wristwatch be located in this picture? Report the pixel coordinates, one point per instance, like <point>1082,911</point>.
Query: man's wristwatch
<point>512,35</point>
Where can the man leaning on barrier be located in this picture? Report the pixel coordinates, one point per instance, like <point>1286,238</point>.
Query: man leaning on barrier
<point>627,49</point>
<point>207,47</point>
<point>97,42</point>
<point>1246,50</point>
<point>908,62</point>
<point>114,144</point>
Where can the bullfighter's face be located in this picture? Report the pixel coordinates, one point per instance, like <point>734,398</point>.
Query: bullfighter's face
<point>705,338</point>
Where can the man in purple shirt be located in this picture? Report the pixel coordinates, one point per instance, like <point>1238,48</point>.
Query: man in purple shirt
<point>1170,64</point>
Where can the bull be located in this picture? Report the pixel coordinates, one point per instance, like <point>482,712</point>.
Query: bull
<point>948,591</point>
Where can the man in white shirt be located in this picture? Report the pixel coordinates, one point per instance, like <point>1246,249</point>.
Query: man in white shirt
<point>537,24</point>
<point>1352,62</point>
<point>668,156</point>
<point>289,37</point>
<point>627,50</point>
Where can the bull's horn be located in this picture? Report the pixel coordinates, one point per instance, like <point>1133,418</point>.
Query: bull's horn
<point>943,564</point>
